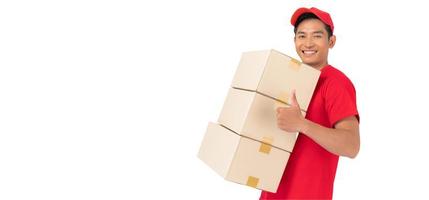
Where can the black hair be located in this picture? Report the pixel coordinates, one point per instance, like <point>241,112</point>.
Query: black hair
<point>305,16</point>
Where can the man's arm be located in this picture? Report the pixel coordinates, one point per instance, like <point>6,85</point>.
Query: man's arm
<point>342,140</point>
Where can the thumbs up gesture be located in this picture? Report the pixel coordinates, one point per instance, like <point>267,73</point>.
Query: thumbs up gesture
<point>290,118</point>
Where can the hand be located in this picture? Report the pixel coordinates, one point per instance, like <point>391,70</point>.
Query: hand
<point>290,118</point>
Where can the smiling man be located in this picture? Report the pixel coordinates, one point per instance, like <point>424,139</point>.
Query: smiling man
<point>331,126</point>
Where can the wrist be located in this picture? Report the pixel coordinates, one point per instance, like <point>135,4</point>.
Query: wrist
<point>303,128</point>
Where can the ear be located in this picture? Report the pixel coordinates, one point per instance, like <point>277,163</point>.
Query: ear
<point>332,41</point>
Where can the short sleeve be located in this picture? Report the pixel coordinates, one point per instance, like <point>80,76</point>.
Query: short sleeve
<point>340,100</point>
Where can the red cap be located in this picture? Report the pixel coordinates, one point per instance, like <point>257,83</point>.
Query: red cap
<point>322,15</point>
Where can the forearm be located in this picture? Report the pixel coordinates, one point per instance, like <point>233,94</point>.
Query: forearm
<point>341,142</point>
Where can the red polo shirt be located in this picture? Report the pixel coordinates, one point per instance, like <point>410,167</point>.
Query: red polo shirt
<point>311,169</point>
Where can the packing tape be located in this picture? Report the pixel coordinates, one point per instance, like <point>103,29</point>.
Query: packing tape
<point>294,64</point>
<point>252,181</point>
<point>266,145</point>
<point>284,96</point>
<point>265,148</point>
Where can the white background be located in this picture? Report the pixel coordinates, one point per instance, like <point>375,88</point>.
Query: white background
<point>110,99</point>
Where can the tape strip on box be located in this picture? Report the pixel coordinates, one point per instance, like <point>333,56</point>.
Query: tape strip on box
<point>252,181</point>
<point>284,98</point>
<point>294,64</point>
<point>266,145</point>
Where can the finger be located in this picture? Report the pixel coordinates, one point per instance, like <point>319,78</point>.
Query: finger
<point>294,101</point>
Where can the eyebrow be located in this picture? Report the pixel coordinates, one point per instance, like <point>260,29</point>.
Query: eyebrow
<point>315,32</point>
<point>321,32</point>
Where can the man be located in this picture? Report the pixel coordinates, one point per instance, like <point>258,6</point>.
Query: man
<point>331,126</point>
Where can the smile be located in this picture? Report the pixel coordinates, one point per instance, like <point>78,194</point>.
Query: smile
<point>309,52</point>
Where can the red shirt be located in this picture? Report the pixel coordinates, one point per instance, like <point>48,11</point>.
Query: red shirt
<point>311,169</point>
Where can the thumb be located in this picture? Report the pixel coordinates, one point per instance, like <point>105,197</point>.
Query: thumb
<point>293,101</point>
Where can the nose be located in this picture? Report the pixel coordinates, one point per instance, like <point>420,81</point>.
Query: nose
<point>308,43</point>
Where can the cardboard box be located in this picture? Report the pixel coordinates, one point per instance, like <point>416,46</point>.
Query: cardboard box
<point>241,159</point>
<point>254,115</point>
<point>276,75</point>
<point>247,147</point>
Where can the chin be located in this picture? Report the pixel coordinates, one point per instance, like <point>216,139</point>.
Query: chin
<point>308,61</point>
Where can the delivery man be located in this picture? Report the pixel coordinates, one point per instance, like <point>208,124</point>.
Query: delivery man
<point>331,126</point>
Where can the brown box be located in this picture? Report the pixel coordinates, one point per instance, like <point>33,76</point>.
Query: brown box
<point>246,146</point>
<point>276,75</point>
<point>254,115</point>
<point>241,159</point>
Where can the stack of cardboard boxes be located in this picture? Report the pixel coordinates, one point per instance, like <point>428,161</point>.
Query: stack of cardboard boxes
<point>246,146</point>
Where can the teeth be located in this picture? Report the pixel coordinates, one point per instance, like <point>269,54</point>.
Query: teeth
<point>309,52</point>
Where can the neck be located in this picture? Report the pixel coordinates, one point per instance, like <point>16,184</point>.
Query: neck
<point>320,66</point>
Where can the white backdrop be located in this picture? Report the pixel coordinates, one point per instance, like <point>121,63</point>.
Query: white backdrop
<point>110,99</point>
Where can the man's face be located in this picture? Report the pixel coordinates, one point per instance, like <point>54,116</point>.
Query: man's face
<point>312,43</point>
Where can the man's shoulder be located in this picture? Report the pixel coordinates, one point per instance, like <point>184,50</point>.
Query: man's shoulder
<point>335,75</point>
<point>333,72</point>
<point>336,79</point>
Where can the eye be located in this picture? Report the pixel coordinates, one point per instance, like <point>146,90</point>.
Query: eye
<point>301,36</point>
<point>318,36</point>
